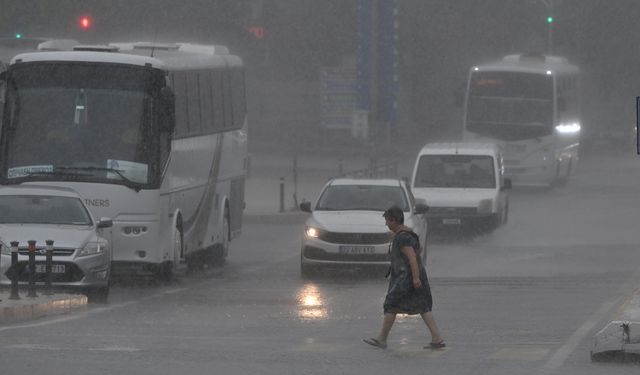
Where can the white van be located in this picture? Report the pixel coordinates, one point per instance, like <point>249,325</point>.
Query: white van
<point>463,184</point>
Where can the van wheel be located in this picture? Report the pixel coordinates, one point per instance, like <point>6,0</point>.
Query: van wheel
<point>505,214</point>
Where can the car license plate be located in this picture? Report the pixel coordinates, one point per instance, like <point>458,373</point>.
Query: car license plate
<point>451,221</point>
<point>55,268</point>
<point>356,249</point>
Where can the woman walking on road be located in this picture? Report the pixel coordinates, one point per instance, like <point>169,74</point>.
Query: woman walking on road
<point>409,291</point>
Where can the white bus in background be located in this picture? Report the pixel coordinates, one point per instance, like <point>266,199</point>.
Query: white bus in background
<point>529,105</point>
<point>153,136</point>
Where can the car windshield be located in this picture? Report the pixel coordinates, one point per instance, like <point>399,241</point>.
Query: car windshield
<point>362,197</point>
<point>42,209</point>
<point>465,171</point>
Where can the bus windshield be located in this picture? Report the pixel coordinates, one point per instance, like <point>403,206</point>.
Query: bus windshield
<point>93,121</point>
<point>510,105</point>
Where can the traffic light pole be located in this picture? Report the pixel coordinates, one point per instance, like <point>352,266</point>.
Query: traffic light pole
<point>549,5</point>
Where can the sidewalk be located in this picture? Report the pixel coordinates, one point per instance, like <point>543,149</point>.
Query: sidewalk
<point>30,308</point>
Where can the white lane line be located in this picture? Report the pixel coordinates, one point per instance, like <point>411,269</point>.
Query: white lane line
<point>560,356</point>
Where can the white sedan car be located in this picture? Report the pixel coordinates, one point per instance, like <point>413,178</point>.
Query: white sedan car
<point>81,253</point>
<point>346,227</point>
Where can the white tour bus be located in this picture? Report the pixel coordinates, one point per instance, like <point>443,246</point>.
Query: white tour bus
<point>529,105</point>
<point>153,136</point>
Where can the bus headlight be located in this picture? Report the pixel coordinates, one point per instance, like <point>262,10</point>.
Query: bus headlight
<point>571,128</point>
<point>91,248</point>
<point>485,206</point>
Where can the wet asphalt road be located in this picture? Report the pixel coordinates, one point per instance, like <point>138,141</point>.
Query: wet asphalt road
<point>523,300</point>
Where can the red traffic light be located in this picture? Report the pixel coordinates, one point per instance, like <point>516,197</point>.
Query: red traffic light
<point>85,22</point>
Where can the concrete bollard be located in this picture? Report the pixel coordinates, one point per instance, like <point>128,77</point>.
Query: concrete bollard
<point>14,264</point>
<point>31,290</point>
<point>48,266</point>
<point>281,194</point>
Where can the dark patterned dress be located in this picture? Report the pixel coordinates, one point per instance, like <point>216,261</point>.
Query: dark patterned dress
<point>402,297</point>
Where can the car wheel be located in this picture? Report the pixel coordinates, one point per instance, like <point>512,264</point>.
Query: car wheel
<point>217,255</point>
<point>98,295</point>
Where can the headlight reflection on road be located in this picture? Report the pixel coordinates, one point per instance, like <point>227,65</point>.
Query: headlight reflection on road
<point>310,303</point>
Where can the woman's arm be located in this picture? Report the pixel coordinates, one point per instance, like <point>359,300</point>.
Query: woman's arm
<point>413,263</point>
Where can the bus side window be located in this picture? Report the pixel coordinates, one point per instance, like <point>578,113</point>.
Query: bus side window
<point>216,96</point>
<point>562,104</point>
<point>238,97</point>
<point>193,103</point>
<point>206,101</point>
<point>228,107</point>
<point>180,91</point>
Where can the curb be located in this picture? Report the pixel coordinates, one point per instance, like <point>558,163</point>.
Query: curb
<point>620,336</point>
<point>33,308</point>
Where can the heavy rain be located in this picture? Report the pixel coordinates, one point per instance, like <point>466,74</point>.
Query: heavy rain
<point>198,187</point>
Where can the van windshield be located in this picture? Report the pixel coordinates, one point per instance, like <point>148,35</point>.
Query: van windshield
<point>463,171</point>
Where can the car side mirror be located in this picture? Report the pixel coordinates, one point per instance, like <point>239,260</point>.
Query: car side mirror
<point>421,208</point>
<point>104,222</point>
<point>305,206</point>
<point>506,184</point>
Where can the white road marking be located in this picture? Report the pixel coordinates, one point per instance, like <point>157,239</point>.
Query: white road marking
<point>560,356</point>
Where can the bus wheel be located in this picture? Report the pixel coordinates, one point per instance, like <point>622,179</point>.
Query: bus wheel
<point>224,246</point>
<point>167,269</point>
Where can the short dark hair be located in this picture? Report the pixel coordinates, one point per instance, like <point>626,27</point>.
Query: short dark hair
<point>395,213</point>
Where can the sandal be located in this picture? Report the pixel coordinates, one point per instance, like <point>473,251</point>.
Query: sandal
<point>375,342</point>
<point>436,345</point>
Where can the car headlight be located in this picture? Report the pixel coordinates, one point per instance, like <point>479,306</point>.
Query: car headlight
<point>92,248</point>
<point>313,232</point>
<point>485,206</point>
